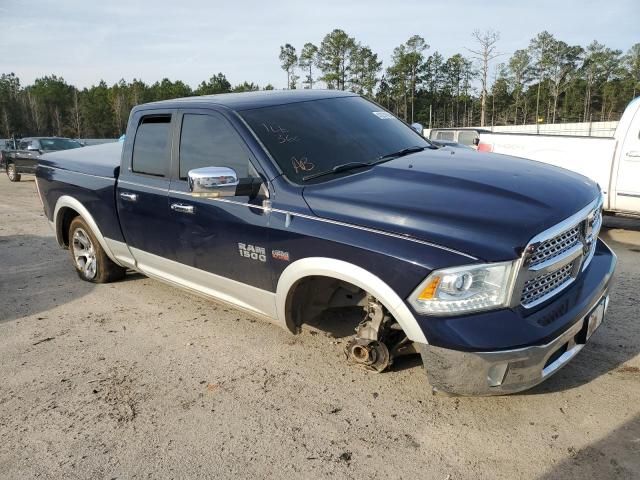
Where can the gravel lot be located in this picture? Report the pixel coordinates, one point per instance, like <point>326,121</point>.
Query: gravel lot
<point>139,380</point>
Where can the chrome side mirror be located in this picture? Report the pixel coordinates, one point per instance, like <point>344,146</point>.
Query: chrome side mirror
<point>417,127</point>
<point>213,182</point>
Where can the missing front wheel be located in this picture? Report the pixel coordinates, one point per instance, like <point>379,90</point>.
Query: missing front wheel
<point>378,339</point>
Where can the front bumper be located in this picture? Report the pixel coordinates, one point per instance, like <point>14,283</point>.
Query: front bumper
<point>513,370</point>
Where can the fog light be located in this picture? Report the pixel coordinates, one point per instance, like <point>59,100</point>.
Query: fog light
<point>496,374</point>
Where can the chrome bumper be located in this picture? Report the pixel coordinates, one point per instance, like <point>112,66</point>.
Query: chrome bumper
<point>505,371</point>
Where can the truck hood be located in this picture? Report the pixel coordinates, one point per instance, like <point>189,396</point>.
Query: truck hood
<point>488,205</point>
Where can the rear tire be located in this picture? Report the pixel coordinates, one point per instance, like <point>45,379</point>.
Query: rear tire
<point>89,258</point>
<point>12,174</point>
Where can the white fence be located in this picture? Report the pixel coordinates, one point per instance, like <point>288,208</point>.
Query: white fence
<point>585,129</point>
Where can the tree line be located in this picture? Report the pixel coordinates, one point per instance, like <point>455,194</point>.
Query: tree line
<point>53,107</point>
<point>549,81</point>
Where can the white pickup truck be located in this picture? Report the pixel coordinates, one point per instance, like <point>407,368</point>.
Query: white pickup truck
<point>613,162</point>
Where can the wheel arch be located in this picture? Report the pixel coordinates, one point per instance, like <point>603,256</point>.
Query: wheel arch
<point>66,205</point>
<point>348,272</point>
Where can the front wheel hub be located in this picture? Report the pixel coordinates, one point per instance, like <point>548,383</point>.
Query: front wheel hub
<point>370,354</point>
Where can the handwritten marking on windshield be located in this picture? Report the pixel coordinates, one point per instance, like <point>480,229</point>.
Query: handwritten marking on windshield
<point>302,164</point>
<point>282,134</point>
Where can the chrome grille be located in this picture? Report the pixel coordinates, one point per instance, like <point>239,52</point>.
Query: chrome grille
<point>554,258</point>
<point>540,286</point>
<point>556,246</point>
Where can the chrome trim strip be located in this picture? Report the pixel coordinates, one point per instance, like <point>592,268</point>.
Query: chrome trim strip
<point>550,294</point>
<point>561,361</point>
<point>566,224</point>
<point>112,179</point>
<point>624,194</point>
<point>336,222</point>
<point>166,190</point>
<point>240,295</point>
<point>559,261</point>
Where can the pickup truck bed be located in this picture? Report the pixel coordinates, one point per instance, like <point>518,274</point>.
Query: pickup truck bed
<point>87,175</point>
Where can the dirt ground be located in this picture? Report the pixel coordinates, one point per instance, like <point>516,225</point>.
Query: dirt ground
<point>137,379</point>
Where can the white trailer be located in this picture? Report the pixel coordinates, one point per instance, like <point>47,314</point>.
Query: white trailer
<point>613,162</point>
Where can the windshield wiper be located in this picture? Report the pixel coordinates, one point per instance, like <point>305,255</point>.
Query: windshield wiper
<point>343,167</point>
<point>401,153</point>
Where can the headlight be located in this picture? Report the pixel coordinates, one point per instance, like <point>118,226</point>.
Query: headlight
<point>464,289</point>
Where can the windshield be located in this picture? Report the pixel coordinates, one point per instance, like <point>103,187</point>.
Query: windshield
<point>58,144</point>
<point>307,138</point>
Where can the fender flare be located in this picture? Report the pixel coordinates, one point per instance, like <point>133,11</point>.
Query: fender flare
<point>330,267</point>
<point>67,201</point>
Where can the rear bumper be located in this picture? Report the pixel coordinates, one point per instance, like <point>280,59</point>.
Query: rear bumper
<point>512,370</point>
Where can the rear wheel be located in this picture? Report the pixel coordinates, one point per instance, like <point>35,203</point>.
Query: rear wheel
<point>90,260</point>
<point>12,174</point>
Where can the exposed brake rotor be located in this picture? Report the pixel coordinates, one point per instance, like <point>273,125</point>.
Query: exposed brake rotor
<point>370,354</point>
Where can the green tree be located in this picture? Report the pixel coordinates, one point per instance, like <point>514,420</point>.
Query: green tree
<point>519,76</point>
<point>95,107</point>
<point>562,67</point>
<point>9,104</point>
<point>119,99</point>
<point>308,59</point>
<point>245,87</point>
<point>632,66</point>
<point>288,61</point>
<point>333,59</point>
<point>406,70</point>
<point>51,98</point>
<point>599,65</point>
<point>414,64</point>
<point>166,90</point>
<point>216,84</point>
<point>364,70</point>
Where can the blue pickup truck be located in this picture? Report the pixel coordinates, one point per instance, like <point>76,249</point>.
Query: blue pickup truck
<point>290,204</point>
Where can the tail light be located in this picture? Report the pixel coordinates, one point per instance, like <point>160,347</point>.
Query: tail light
<point>485,147</point>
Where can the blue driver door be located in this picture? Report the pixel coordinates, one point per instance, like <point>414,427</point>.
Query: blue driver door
<point>222,241</point>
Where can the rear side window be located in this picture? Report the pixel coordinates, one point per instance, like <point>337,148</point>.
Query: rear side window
<point>151,146</point>
<point>445,136</point>
<point>209,141</point>
<point>466,137</point>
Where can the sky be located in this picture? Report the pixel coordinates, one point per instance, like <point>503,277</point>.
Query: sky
<point>85,41</point>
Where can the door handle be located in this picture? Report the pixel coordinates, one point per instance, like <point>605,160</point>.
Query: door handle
<point>633,153</point>
<point>182,208</point>
<point>130,197</point>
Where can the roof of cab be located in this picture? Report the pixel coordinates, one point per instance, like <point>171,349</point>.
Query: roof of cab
<point>249,100</point>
